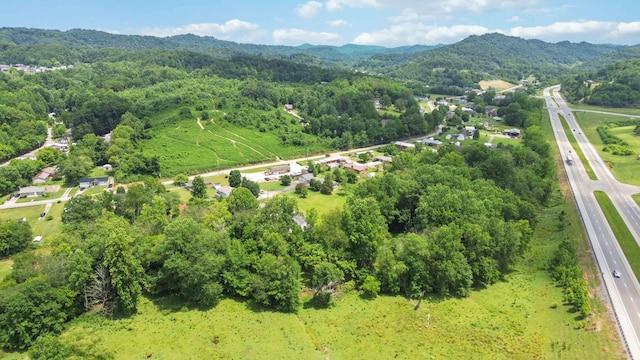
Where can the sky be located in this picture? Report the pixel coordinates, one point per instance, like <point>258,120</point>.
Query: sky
<point>387,23</point>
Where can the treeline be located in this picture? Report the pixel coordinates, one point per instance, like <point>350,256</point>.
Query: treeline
<point>617,85</point>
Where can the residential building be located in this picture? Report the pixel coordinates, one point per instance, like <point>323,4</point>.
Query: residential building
<point>95,181</point>
<point>223,192</point>
<point>31,191</point>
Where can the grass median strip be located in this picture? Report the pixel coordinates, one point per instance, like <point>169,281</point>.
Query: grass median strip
<point>577,149</point>
<point>621,231</point>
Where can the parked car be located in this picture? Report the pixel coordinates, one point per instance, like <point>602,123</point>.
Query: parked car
<point>43,214</point>
<point>616,273</point>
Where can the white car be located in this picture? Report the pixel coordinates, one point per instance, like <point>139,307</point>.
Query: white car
<point>616,273</point>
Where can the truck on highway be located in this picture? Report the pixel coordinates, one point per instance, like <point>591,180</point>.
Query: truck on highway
<point>569,160</point>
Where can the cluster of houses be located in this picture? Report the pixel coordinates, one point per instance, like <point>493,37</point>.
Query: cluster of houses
<point>28,69</point>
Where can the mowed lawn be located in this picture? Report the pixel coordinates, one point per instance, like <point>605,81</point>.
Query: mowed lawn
<point>624,168</point>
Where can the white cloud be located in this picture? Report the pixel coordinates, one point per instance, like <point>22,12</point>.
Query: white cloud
<point>223,31</point>
<point>309,9</point>
<point>333,5</point>
<point>298,36</point>
<point>418,33</point>
<point>604,30</point>
<point>514,18</point>
<point>338,23</point>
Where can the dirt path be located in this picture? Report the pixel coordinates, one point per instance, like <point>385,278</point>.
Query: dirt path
<point>234,142</point>
<point>200,124</point>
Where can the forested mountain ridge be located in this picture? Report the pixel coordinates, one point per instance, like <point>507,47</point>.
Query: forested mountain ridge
<point>616,85</point>
<point>499,55</point>
<point>94,39</point>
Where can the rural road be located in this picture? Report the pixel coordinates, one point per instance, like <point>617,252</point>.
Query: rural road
<point>624,292</point>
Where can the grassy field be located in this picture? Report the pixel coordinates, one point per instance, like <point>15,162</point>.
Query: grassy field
<point>623,235</point>
<point>624,168</point>
<point>636,197</point>
<point>46,228</point>
<point>577,150</point>
<point>624,111</point>
<point>496,84</point>
<point>183,146</point>
<point>322,203</point>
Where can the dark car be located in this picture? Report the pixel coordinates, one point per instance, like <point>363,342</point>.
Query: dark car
<point>616,273</point>
<point>43,214</point>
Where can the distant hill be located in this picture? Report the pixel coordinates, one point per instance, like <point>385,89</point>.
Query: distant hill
<point>616,85</point>
<point>93,39</point>
<point>499,55</point>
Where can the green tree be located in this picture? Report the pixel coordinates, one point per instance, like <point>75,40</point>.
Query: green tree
<point>276,282</point>
<point>365,228</point>
<point>370,287</point>
<point>15,236</point>
<point>235,178</point>
<point>285,180</point>
<point>76,167</point>
<point>50,156</point>
<point>241,200</point>
<point>327,184</point>
<point>198,188</point>
<point>325,277</point>
<point>180,179</point>
<point>302,190</point>
<point>32,309</point>
<point>80,209</point>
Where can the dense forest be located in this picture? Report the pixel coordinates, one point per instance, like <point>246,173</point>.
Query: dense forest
<point>440,222</point>
<point>616,85</point>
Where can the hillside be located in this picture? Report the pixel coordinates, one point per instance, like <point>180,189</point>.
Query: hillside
<point>499,55</point>
<point>616,85</point>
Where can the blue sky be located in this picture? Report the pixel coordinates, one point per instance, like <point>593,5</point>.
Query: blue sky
<point>335,22</point>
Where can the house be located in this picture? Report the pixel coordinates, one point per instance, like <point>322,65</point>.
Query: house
<point>95,181</point>
<point>512,132</point>
<point>384,159</point>
<point>37,239</point>
<point>189,185</point>
<point>279,170</point>
<point>107,167</point>
<point>401,145</point>
<point>306,178</point>
<point>288,107</point>
<point>361,169</point>
<point>431,142</point>
<point>334,159</point>
<point>60,146</point>
<point>496,118</point>
<point>44,175</point>
<point>300,220</point>
<point>223,192</point>
<point>31,191</point>
<point>217,185</point>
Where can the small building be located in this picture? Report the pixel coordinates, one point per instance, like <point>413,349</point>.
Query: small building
<point>306,178</point>
<point>279,170</point>
<point>95,181</point>
<point>44,175</point>
<point>217,185</point>
<point>512,132</point>
<point>333,159</point>
<point>401,145</point>
<point>37,239</point>
<point>107,167</point>
<point>31,191</point>
<point>223,192</point>
<point>300,220</point>
<point>431,142</point>
<point>371,175</point>
<point>360,169</point>
<point>383,159</point>
<point>288,107</point>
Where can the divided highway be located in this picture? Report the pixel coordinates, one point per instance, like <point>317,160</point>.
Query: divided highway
<point>624,292</point>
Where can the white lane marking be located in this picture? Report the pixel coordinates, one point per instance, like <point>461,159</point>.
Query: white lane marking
<point>632,299</point>
<point>625,284</point>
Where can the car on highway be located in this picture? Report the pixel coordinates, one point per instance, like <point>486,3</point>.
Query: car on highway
<point>616,273</point>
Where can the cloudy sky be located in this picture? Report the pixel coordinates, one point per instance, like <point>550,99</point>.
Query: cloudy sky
<point>335,22</point>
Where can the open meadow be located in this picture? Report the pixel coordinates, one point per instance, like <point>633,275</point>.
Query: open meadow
<point>498,85</point>
<point>624,168</point>
<point>191,146</point>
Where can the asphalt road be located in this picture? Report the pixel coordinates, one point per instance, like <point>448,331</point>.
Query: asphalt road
<point>624,292</point>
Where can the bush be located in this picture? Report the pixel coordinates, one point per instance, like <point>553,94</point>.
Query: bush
<point>370,287</point>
